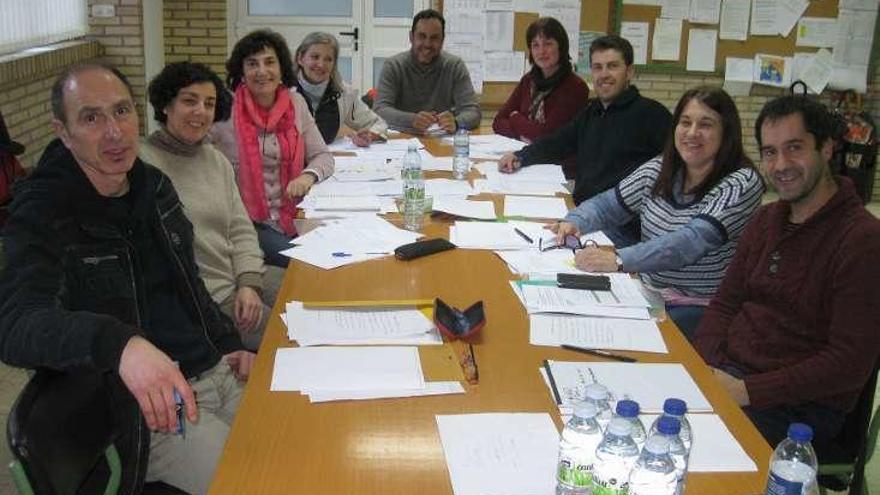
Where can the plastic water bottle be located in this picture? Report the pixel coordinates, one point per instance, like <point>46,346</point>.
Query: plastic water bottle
<point>461,161</point>
<point>793,465</point>
<point>577,451</point>
<point>629,410</point>
<point>598,395</point>
<point>654,471</point>
<point>615,457</point>
<point>676,408</point>
<point>669,428</point>
<point>413,189</point>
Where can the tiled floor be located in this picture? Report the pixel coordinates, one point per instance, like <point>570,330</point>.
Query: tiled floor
<point>12,380</point>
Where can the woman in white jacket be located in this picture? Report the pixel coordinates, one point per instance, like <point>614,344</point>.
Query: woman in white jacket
<point>335,105</point>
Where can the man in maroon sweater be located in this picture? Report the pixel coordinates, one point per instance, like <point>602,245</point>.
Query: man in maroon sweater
<point>794,331</point>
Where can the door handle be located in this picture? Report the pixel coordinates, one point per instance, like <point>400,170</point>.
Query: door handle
<point>354,34</point>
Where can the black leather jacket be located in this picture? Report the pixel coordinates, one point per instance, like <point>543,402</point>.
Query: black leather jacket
<point>70,296</point>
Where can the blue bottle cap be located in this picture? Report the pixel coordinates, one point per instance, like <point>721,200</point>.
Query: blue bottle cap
<point>800,432</point>
<point>668,425</point>
<point>627,408</point>
<point>675,407</point>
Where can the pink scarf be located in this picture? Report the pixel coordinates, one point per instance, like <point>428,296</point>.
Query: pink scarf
<point>280,121</point>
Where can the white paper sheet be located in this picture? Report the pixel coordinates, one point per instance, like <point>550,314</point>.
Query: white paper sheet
<point>868,5</point>
<point>511,184</point>
<point>498,32</point>
<point>501,453</point>
<point>343,188</point>
<point>675,9</point>
<point>462,207</point>
<point>763,18</point>
<point>666,43</point>
<point>534,207</point>
<point>818,73</point>
<point>505,66</point>
<point>738,76</point>
<point>735,19</point>
<point>447,187</point>
<point>816,31</point>
<point>772,70</point>
<point>486,235</point>
<point>431,388</point>
<point>359,326</point>
<point>714,448</point>
<point>649,384</point>
<point>787,14</point>
<point>568,13</point>
<point>705,11</point>
<point>596,333</point>
<point>346,368</point>
<point>611,304</point>
<point>701,49</point>
<point>637,35</point>
<point>347,203</point>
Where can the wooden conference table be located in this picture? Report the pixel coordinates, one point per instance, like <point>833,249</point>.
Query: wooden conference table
<point>282,444</point>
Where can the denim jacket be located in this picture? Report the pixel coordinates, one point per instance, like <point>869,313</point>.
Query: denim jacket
<point>70,295</point>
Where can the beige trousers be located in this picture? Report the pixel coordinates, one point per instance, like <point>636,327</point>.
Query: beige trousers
<point>188,462</point>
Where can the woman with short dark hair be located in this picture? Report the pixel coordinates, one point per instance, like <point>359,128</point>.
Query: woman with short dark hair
<point>549,95</point>
<point>271,139</point>
<point>187,99</point>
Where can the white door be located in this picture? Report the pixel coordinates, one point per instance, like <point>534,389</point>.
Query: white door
<point>368,31</point>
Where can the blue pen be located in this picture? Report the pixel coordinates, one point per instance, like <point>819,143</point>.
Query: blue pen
<point>340,254</point>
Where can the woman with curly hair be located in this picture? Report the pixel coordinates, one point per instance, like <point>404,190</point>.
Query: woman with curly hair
<point>187,99</point>
<point>271,139</point>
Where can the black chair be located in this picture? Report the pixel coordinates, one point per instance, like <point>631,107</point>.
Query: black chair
<point>845,468</point>
<point>79,433</point>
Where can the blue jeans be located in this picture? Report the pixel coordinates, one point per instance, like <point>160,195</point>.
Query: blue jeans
<point>687,318</point>
<point>271,242</point>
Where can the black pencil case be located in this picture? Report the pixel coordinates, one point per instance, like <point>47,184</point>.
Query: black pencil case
<point>583,281</point>
<point>418,249</point>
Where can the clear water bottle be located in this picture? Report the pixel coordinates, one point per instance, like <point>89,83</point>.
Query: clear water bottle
<point>413,190</point>
<point>461,161</point>
<point>793,465</point>
<point>577,451</point>
<point>669,427</point>
<point>654,471</point>
<point>629,410</point>
<point>676,408</point>
<point>615,457</point>
<point>598,395</point>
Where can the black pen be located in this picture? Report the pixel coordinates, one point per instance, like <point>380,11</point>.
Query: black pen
<point>524,236</point>
<point>552,381</point>
<point>596,352</point>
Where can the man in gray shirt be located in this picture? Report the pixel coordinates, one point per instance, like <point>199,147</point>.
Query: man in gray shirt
<point>425,89</point>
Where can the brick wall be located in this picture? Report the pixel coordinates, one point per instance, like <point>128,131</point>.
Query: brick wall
<point>196,31</point>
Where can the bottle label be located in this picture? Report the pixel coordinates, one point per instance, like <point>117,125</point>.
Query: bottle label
<point>777,485</point>
<point>611,478</point>
<point>573,474</point>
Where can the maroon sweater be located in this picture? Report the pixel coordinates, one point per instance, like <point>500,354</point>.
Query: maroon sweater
<point>799,309</point>
<point>560,106</point>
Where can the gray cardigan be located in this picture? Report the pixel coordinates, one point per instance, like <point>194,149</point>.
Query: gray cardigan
<point>406,88</point>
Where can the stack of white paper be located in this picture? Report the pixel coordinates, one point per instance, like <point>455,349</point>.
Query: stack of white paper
<point>624,300</point>
<point>354,373</point>
<point>462,207</point>
<point>349,240</point>
<point>502,453</point>
<point>536,180</point>
<point>649,384</point>
<point>364,188</point>
<point>595,333</point>
<point>486,235</point>
<point>493,146</point>
<point>353,326</point>
<point>447,187</point>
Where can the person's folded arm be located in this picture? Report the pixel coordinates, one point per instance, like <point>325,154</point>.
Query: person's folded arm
<point>600,211</point>
<point>675,249</point>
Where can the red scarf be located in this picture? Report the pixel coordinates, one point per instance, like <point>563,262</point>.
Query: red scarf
<point>280,120</point>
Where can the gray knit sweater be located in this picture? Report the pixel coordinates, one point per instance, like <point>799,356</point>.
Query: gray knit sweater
<point>407,87</point>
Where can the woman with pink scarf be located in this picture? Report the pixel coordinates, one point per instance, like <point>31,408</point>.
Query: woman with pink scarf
<point>272,140</point>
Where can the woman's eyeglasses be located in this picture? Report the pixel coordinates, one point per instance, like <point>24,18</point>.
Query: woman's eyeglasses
<point>568,242</point>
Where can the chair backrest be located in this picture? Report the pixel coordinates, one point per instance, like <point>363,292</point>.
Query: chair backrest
<point>855,436</point>
<point>61,425</point>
